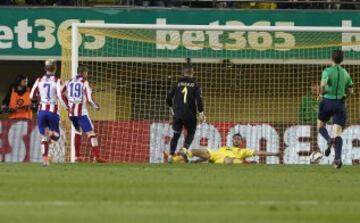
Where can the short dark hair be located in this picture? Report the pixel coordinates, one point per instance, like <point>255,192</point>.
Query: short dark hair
<point>19,78</point>
<point>188,67</point>
<point>237,134</point>
<point>82,69</point>
<point>337,56</point>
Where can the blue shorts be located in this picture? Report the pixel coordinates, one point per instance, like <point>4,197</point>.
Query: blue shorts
<point>334,108</point>
<point>48,120</point>
<point>82,122</point>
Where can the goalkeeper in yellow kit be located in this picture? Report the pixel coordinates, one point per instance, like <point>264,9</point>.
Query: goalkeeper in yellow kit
<point>227,154</point>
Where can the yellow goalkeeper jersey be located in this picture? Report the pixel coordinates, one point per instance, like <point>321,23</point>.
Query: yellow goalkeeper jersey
<point>218,156</point>
<point>243,153</point>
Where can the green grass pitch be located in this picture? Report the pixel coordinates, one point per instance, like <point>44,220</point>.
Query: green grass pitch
<point>178,193</point>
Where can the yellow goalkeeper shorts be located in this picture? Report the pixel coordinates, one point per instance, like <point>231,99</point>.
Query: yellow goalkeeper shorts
<point>217,156</point>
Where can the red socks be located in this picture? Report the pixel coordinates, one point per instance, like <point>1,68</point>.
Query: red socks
<point>77,145</point>
<point>45,147</point>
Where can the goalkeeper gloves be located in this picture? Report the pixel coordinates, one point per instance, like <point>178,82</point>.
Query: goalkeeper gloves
<point>171,111</point>
<point>202,117</point>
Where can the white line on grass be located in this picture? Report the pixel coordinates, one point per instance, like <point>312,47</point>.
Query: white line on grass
<point>179,203</point>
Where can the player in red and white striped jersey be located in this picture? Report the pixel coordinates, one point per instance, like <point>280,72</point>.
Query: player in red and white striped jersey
<point>78,94</point>
<point>47,90</point>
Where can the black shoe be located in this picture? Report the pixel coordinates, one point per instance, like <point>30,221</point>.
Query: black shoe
<point>328,149</point>
<point>337,164</point>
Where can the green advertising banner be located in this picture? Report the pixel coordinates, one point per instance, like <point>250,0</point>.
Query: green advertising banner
<point>32,33</point>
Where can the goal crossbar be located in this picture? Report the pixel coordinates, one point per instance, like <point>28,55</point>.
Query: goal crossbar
<point>77,26</point>
<point>219,27</point>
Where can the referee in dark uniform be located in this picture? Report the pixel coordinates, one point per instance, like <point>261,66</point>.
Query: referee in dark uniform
<point>184,99</point>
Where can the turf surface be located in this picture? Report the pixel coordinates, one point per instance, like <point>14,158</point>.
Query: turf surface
<point>178,193</point>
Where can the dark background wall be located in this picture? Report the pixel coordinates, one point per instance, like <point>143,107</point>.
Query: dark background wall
<point>10,69</point>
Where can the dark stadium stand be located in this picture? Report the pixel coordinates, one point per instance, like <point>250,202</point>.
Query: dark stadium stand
<point>242,4</point>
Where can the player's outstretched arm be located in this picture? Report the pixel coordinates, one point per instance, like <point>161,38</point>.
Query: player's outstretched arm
<point>349,91</point>
<point>61,96</point>
<point>169,102</point>
<point>322,87</point>
<point>349,87</point>
<point>64,95</point>
<point>323,82</point>
<point>34,93</point>
<point>263,153</point>
<point>245,153</point>
<point>170,96</point>
<point>88,94</point>
<point>200,104</point>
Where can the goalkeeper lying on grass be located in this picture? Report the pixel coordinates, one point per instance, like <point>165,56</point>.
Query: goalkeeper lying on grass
<point>225,155</point>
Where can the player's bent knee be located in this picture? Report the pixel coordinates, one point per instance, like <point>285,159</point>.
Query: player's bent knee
<point>206,154</point>
<point>90,134</point>
<point>93,139</point>
<point>320,124</point>
<point>337,130</point>
<point>202,153</point>
<point>44,139</point>
<point>54,136</point>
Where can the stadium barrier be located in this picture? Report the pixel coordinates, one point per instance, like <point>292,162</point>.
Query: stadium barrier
<point>20,141</point>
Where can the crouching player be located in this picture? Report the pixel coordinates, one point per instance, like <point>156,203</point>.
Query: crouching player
<point>227,154</point>
<point>78,93</point>
<point>47,90</point>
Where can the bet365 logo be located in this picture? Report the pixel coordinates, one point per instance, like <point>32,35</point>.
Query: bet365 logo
<point>44,34</point>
